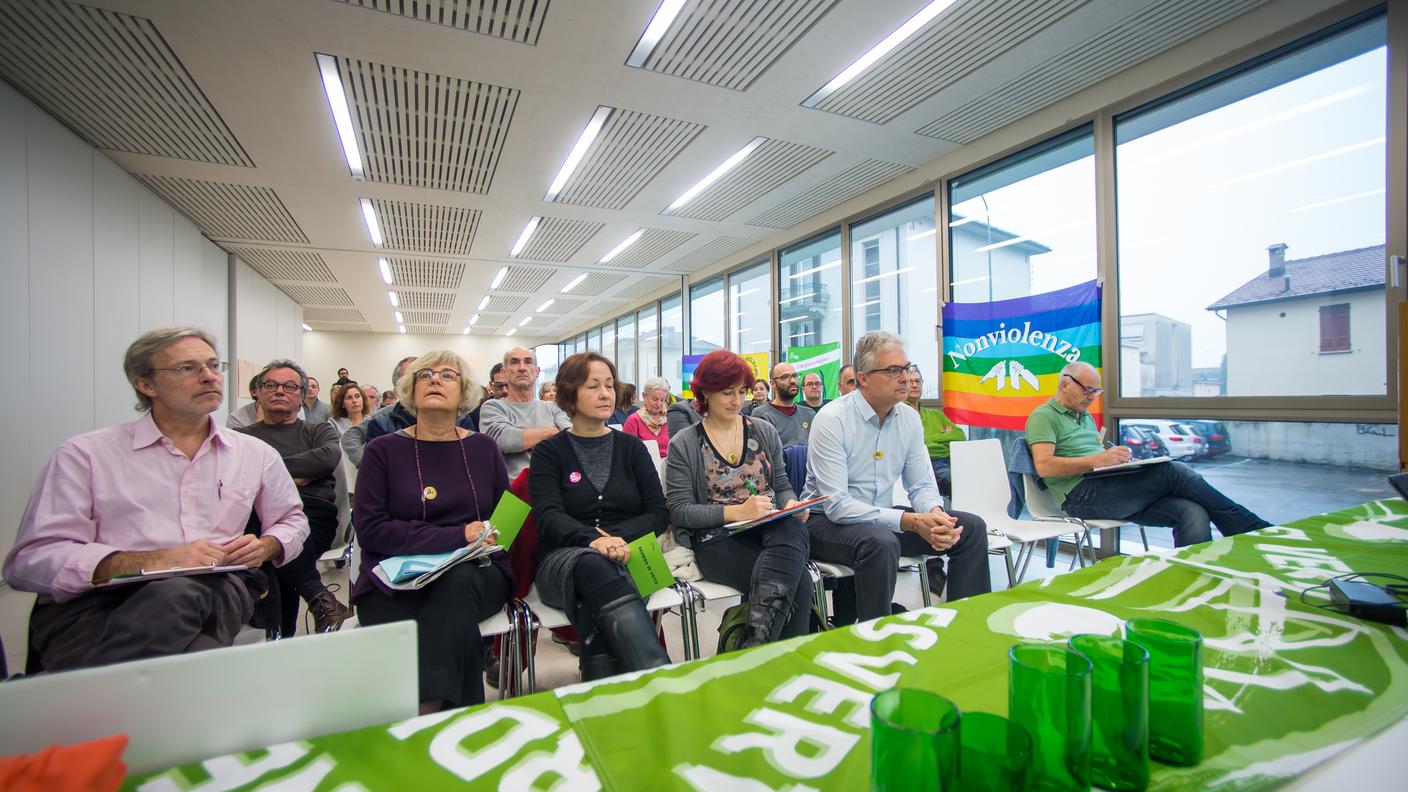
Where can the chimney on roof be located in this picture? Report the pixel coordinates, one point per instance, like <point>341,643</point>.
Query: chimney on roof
<point>1278,260</point>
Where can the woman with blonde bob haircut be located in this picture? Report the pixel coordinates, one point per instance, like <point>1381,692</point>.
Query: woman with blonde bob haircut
<point>428,488</point>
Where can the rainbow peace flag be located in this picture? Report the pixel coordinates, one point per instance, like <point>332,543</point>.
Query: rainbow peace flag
<point>1003,359</point>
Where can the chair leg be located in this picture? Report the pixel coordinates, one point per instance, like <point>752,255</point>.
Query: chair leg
<point>1011,571</point>
<point>819,593</point>
<point>1024,558</point>
<point>527,658</point>
<point>689,628</point>
<point>1144,537</point>
<point>924,592</point>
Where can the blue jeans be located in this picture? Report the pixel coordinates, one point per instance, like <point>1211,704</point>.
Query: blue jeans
<point>1169,494</point>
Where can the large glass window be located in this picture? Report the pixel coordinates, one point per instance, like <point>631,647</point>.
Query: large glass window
<point>594,340</point>
<point>894,283</point>
<point>1252,229</point>
<point>706,316</point>
<point>626,347</point>
<point>750,310</point>
<point>547,358</point>
<point>648,345</point>
<point>809,293</point>
<point>608,342</point>
<point>671,339</point>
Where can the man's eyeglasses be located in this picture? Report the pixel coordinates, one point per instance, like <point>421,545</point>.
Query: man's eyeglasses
<point>445,375</point>
<point>785,378</point>
<point>1087,391</point>
<point>287,387</point>
<point>895,371</point>
<point>188,370</point>
<point>498,385</point>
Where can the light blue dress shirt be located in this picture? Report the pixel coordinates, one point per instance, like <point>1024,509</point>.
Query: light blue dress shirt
<point>856,460</point>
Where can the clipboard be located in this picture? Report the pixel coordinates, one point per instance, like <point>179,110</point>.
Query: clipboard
<point>158,574</point>
<point>1127,467</point>
<point>740,526</point>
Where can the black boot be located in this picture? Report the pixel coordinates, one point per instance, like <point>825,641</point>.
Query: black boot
<point>770,607</point>
<point>630,634</point>
<point>597,666</point>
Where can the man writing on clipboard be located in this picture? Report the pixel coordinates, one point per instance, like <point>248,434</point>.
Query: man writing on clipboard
<point>1066,450</point>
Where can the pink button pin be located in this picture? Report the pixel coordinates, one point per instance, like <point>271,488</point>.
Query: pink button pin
<point>574,477</point>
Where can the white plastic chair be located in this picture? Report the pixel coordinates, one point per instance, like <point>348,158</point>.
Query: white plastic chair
<point>980,486</point>
<point>1043,506</point>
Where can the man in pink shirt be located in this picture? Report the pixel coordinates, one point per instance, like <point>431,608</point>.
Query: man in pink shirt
<point>169,490</point>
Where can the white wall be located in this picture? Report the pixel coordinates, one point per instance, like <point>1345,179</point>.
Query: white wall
<point>267,325</point>
<point>369,357</point>
<point>1274,348</point>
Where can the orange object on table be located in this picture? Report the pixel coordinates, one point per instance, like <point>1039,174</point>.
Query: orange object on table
<point>94,766</point>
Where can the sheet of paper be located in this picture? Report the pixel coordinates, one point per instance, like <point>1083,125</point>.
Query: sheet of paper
<point>508,518</point>
<point>157,574</point>
<point>774,514</point>
<point>648,567</point>
<point>1131,465</point>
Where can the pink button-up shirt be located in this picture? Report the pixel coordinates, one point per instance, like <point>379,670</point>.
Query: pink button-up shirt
<point>128,488</point>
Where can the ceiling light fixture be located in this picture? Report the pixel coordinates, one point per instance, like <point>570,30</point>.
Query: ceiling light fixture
<point>369,216</point>
<point>395,303</point>
<point>525,236</point>
<point>511,331</point>
<point>341,117</point>
<point>474,319</point>
<point>546,305</point>
<point>574,283</point>
<point>385,270</point>
<point>579,150</point>
<point>718,173</point>
<point>399,319</point>
<point>889,274</point>
<point>499,277</point>
<point>525,321</point>
<point>466,331</point>
<point>921,235</point>
<point>306,328</point>
<point>484,302</point>
<point>401,328</point>
<point>911,26</point>
<point>664,16</point>
<point>625,243</point>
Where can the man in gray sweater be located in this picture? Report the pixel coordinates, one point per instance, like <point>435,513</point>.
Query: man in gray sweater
<point>519,421</point>
<point>792,420</point>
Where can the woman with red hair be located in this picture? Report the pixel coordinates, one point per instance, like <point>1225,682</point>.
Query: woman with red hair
<point>727,468</point>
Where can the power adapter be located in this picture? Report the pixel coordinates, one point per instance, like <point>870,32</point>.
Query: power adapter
<point>1367,601</point>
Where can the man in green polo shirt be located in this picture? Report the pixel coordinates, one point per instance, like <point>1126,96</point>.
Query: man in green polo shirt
<point>1066,445</point>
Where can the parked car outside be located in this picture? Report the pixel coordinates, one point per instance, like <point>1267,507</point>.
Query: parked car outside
<point>1214,434</point>
<point>1142,443</point>
<point>1180,441</point>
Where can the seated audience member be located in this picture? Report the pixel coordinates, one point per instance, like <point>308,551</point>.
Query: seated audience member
<point>428,488</point>
<point>170,489</point>
<point>813,390</point>
<point>518,421</point>
<point>315,411</point>
<point>349,411</point>
<point>594,491</point>
<point>393,416</point>
<point>497,389</point>
<point>728,468</point>
<point>342,378</point>
<point>939,431</point>
<point>679,414</point>
<point>247,415</point>
<point>1065,445</point>
<point>625,404</point>
<point>372,394</point>
<point>388,399</point>
<point>848,379</point>
<point>792,421</point>
<point>311,453</point>
<point>648,423</point>
<point>760,396</point>
<point>546,392</point>
<point>859,449</point>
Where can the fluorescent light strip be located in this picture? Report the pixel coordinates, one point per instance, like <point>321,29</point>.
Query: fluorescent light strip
<point>574,283</point>
<point>385,270</point>
<point>499,277</point>
<point>823,267</point>
<point>511,331</point>
<point>1333,201</point>
<point>395,302</point>
<point>306,328</point>
<point>525,321</point>
<point>625,243</point>
<point>1285,166</point>
<point>889,274</point>
<point>718,173</point>
<point>871,302</point>
<point>341,116</point>
<point>483,303</point>
<point>369,217</point>
<point>745,293</point>
<point>399,319</point>
<point>474,319</point>
<point>466,331</point>
<point>545,305</point>
<point>963,221</point>
<point>664,16</point>
<point>909,28</point>
<point>579,150</point>
<point>921,235</point>
<point>967,281</point>
<point>526,235</point>
<point>402,328</point>
<point>793,319</point>
<point>1005,243</point>
<point>795,299</point>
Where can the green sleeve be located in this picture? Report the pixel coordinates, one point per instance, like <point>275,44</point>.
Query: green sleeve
<point>1040,428</point>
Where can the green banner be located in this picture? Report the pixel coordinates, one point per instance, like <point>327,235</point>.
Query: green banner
<point>824,359</point>
<point>1287,685</point>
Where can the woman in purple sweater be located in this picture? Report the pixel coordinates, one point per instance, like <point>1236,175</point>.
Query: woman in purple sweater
<point>428,489</point>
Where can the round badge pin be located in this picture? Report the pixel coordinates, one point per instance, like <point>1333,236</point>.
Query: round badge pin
<point>574,477</point>
<point>879,454</point>
<point>805,425</point>
<point>429,493</point>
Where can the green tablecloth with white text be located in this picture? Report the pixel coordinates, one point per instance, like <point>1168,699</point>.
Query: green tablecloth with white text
<point>1287,686</point>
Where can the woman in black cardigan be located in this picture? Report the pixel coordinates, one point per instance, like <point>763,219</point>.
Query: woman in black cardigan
<point>595,490</point>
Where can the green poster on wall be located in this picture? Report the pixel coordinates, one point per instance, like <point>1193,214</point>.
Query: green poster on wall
<point>824,359</point>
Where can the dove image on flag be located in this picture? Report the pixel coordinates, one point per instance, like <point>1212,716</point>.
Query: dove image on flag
<point>1003,359</point>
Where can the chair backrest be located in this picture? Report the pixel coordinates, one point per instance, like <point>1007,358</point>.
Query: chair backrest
<point>341,496</point>
<point>980,481</point>
<point>152,700</point>
<point>795,458</point>
<point>1040,502</point>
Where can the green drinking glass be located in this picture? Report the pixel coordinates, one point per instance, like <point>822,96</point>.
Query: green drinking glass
<point>1119,704</point>
<point>1175,688</point>
<point>997,754</point>
<point>913,742</point>
<point>1049,696</point>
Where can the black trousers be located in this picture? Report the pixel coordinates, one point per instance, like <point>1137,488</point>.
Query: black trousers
<point>299,578</point>
<point>776,552</point>
<point>447,614</point>
<point>874,551</point>
<point>139,620</point>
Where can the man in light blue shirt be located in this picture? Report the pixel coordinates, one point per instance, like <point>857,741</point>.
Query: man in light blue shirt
<point>861,444</point>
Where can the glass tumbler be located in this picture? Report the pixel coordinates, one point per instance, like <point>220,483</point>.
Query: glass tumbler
<point>1049,696</point>
<point>997,754</point>
<point>1175,688</point>
<point>913,742</point>
<point>1119,703</point>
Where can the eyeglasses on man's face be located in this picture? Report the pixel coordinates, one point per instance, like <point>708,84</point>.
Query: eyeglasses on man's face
<point>785,378</point>
<point>192,369</point>
<point>499,385</point>
<point>445,375</point>
<point>1088,391</point>
<point>895,371</point>
<point>269,386</point>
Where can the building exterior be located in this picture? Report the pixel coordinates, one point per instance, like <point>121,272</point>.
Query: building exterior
<point>1165,348</point>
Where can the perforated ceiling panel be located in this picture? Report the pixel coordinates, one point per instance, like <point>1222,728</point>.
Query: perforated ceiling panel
<point>425,301</point>
<point>525,279</point>
<point>558,239</point>
<point>562,306</point>
<point>647,285</point>
<point>425,273</point>
<point>426,130</point>
<point>317,295</point>
<point>769,166</point>
<point>426,329</point>
<point>344,315</point>
<point>708,254</point>
<point>730,43</point>
<point>426,228</point>
<point>341,327</point>
<point>483,331</point>
<point>650,248</point>
<point>630,150</point>
<point>285,265</point>
<point>1152,29</point>
<point>597,282</point>
<point>426,317</point>
<point>114,80</point>
<point>505,303</point>
<point>491,319</point>
<point>228,211</point>
<point>515,20</point>
<point>951,46</point>
<point>832,192</point>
